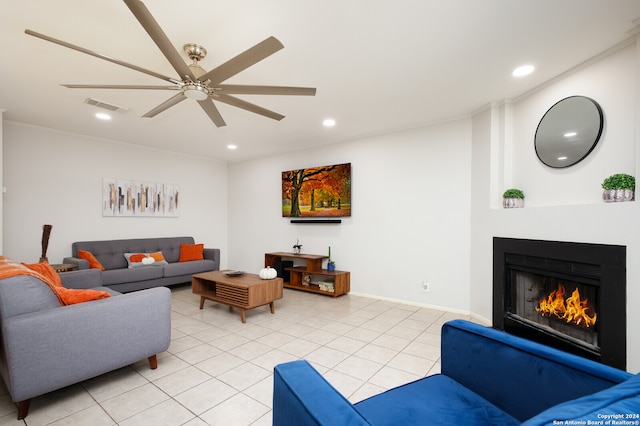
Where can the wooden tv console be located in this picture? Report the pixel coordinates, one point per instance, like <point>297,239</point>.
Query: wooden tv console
<point>312,277</point>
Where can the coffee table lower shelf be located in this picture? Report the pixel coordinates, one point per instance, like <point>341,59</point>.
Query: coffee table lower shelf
<point>244,292</point>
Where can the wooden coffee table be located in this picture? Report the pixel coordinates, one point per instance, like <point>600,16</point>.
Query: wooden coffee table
<point>246,291</point>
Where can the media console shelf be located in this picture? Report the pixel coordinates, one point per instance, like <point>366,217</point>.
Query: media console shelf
<point>312,277</point>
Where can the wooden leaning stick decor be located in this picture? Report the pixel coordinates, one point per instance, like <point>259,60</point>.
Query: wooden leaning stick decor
<point>46,232</point>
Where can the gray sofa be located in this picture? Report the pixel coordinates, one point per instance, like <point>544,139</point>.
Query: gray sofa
<point>118,276</point>
<point>45,346</point>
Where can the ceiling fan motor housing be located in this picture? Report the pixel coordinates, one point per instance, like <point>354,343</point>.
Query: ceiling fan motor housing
<point>197,91</point>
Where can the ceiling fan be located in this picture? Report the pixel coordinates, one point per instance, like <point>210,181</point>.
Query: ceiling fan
<point>194,82</point>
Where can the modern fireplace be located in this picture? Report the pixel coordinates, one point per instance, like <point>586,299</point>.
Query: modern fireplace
<point>571,296</point>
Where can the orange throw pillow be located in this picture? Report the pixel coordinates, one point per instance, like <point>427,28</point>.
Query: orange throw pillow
<point>137,257</point>
<point>93,262</point>
<point>157,256</point>
<point>66,296</point>
<point>189,252</point>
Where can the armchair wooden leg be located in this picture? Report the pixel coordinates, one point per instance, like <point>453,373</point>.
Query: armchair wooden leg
<point>23,408</point>
<point>153,362</point>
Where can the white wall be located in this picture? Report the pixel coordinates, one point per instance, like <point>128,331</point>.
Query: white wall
<point>56,178</point>
<point>610,83</point>
<point>560,204</point>
<point>410,214</point>
<point>426,202</point>
<point>1,174</point>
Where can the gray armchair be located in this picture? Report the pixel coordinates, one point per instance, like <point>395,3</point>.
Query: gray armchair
<point>45,346</point>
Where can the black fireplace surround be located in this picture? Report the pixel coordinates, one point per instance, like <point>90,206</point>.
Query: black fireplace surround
<point>535,267</point>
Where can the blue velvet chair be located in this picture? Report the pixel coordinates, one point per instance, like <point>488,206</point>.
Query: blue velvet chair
<point>488,377</point>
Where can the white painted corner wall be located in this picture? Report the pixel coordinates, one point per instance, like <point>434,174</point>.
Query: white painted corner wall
<point>410,222</point>
<point>55,178</point>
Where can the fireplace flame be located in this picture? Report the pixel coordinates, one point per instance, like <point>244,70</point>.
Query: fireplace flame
<point>572,309</point>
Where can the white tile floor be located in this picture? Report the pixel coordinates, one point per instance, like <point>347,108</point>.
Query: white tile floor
<point>218,371</point>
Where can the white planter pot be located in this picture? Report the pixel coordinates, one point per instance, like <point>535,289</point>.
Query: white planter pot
<point>512,203</point>
<point>617,195</point>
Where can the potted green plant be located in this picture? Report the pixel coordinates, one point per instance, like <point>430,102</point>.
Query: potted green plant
<point>331,265</point>
<point>618,187</point>
<point>513,198</point>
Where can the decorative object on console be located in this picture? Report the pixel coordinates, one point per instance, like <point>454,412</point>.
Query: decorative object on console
<point>306,279</point>
<point>317,192</point>
<point>513,198</point>
<point>331,265</point>
<point>569,131</point>
<point>141,199</point>
<point>46,233</point>
<point>619,187</point>
<point>297,247</point>
<point>268,273</point>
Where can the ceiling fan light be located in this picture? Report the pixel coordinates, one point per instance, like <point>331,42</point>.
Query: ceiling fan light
<point>196,92</point>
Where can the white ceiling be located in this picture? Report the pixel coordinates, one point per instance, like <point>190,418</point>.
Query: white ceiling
<point>378,65</point>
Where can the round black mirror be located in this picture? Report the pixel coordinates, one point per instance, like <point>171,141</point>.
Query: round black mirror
<point>568,131</point>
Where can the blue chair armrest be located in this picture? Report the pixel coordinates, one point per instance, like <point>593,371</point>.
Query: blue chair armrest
<point>301,396</point>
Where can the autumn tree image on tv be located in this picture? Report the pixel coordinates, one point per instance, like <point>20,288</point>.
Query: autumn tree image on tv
<point>317,191</point>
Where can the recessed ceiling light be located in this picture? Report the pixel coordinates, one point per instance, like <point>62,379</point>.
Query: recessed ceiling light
<point>329,122</point>
<point>232,147</point>
<point>523,70</point>
<point>103,116</point>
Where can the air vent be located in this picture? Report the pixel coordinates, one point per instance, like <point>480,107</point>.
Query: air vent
<point>105,105</point>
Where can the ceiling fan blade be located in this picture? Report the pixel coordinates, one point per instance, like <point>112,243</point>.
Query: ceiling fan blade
<point>118,86</point>
<point>239,103</point>
<point>166,105</point>
<point>99,55</point>
<point>243,61</point>
<point>239,89</point>
<point>212,112</point>
<point>154,30</point>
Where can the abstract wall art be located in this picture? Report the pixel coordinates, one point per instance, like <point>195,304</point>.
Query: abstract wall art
<point>130,198</point>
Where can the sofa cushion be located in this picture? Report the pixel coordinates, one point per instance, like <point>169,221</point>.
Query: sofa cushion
<point>126,275</point>
<point>616,403</point>
<point>191,252</point>
<point>23,294</point>
<point>437,400</point>
<point>189,268</point>
<point>138,260</point>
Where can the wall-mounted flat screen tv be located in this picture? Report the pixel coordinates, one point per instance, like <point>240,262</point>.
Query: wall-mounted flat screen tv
<point>317,191</point>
